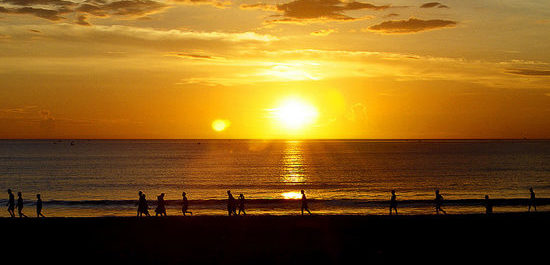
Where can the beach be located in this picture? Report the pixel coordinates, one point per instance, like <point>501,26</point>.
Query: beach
<point>317,239</point>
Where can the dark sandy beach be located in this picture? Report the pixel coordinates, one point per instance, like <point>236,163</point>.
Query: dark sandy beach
<point>519,237</point>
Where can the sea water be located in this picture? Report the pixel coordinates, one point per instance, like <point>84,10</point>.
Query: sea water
<point>103,177</point>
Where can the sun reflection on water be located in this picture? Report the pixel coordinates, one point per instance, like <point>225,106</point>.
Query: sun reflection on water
<point>292,195</point>
<point>293,164</point>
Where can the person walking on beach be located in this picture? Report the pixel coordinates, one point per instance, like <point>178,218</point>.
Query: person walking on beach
<point>241,204</point>
<point>185,204</point>
<point>145,206</point>
<point>161,207</point>
<point>488,205</point>
<point>393,202</point>
<point>39,206</point>
<point>139,204</point>
<point>304,203</point>
<point>532,200</point>
<point>438,202</point>
<point>20,205</point>
<point>231,204</point>
<point>142,205</point>
<point>11,204</point>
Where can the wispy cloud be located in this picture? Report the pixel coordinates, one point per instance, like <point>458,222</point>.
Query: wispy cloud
<point>215,3</point>
<point>529,72</point>
<point>412,25</point>
<point>323,32</point>
<point>433,4</point>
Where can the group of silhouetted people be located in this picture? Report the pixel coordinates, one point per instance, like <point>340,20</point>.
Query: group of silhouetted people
<point>143,207</point>
<point>19,205</point>
<point>438,203</point>
<point>233,205</point>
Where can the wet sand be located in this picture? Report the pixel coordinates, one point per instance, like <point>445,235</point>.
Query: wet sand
<point>510,237</point>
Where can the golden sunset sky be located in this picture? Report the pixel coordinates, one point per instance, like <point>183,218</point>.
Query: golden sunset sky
<point>374,69</point>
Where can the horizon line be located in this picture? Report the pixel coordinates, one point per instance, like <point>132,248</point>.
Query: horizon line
<point>299,139</point>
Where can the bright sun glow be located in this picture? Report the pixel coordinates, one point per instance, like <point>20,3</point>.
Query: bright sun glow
<point>295,114</point>
<point>220,125</point>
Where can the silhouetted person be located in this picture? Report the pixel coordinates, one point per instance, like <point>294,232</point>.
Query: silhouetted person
<point>304,203</point>
<point>185,204</point>
<point>161,207</point>
<point>140,204</point>
<point>11,204</point>
<point>393,202</point>
<point>231,204</point>
<point>20,205</point>
<point>438,202</point>
<point>532,200</point>
<point>488,205</point>
<point>39,206</point>
<point>143,208</point>
<point>241,204</point>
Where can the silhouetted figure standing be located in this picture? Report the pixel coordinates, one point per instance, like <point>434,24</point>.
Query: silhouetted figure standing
<point>488,205</point>
<point>185,204</point>
<point>393,202</point>
<point>20,205</point>
<point>231,204</point>
<point>438,202</point>
<point>161,207</point>
<point>532,200</point>
<point>304,203</point>
<point>241,204</point>
<point>39,206</point>
<point>11,204</point>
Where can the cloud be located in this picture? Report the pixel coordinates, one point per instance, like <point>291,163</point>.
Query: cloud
<point>308,11</point>
<point>53,15</point>
<point>134,35</point>
<point>433,4</point>
<point>195,56</point>
<point>412,25</point>
<point>215,3</point>
<point>529,72</point>
<point>53,9</point>
<point>261,6</point>
<point>133,8</point>
<point>323,32</point>
<point>39,2</point>
<point>82,20</point>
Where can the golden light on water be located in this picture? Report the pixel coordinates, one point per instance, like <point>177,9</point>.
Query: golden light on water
<point>293,163</point>
<point>292,195</point>
<point>294,114</point>
<point>220,125</point>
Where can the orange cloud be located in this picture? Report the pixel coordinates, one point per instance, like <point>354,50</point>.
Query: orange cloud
<point>433,4</point>
<point>53,9</point>
<point>412,25</point>
<point>308,11</point>
<point>529,72</point>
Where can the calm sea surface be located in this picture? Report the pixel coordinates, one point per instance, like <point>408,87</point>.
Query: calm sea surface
<point>103,177</point>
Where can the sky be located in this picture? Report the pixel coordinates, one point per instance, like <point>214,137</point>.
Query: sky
<point>224,69</point>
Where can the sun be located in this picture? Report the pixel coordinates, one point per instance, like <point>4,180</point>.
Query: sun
<point>294,114</point>
<point>220,125</point>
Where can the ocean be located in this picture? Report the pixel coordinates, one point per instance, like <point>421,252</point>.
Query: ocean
<point>79,178</point>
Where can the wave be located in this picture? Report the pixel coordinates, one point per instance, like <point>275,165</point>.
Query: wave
<point>283,202</point>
